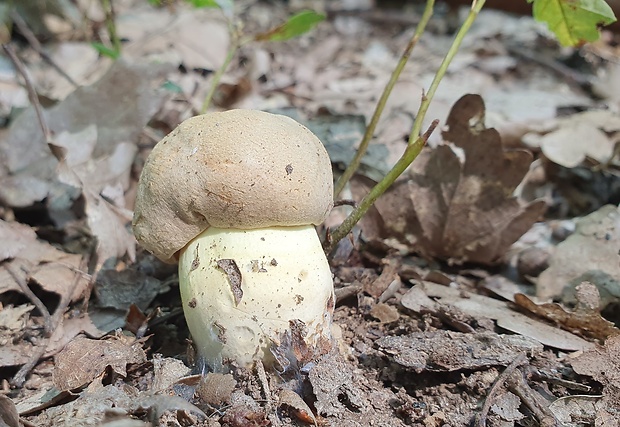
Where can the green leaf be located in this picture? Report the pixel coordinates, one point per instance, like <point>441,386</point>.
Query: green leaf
<point>295,26</point>
<point>171,87</point>
<point>225,5</point>
<point>203,3</point>
<point>106,50</point>
<point>155,2</point>
<point>573,22</point>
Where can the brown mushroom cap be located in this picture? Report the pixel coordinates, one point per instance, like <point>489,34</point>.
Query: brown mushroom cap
<point>243,169</point>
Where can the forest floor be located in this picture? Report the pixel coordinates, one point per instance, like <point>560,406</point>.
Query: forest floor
<point>481,289</point>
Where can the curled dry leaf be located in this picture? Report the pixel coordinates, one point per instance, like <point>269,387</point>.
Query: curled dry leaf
<point>463,211</point>
<point>584,320</point>
<point>295,405</point>
<point>120,105</point>
<point>8,413</point>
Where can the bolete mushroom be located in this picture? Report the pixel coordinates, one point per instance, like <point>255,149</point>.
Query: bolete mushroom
<point>235,196</point>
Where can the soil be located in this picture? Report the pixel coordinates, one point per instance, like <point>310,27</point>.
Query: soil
<point>427,332</point>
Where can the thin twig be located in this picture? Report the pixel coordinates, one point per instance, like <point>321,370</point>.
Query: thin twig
<point>481,419</point>
<point>345,202</point>
<point>56,320</point>
<point>532,399</point>
<point>32,94</point>
<point>34,43</point>
<point>23,285</point>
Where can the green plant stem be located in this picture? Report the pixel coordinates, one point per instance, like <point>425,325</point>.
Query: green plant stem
<point>218,76</point>
<point>441,71</point>
<point>110,23</point>
<point>411,152</point>
<point>416,142</point>
<point>370,130</point>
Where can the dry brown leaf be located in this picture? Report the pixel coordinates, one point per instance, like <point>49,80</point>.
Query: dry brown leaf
<point>34,259</point>
<point>335,387</point>
<point>216,389</point>
<point>603,364</point>
<point>122,289</point>
<point>482,307</point>
<point>166,372</point>
<point>119,105</point>
<point>8,413</point>
<point>591,254</point>
<point>109,224</point>
<point>93,405</point>
<point>78,169</point>
<point>20,352</point>
<point>570,140</point>
<point>84,359</point>
<point>446,351</point>
<point>194,38</point>
<point>463,212</point>
<point>474,216</point>
<point>581,407</point>
<point>584,320</point>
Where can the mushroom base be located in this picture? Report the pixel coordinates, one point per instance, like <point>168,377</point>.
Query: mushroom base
<point>257,294</point>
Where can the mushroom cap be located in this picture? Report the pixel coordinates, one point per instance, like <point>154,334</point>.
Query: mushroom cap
<point>241,169</point>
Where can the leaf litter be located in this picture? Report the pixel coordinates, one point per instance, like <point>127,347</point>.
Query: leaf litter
<point>419,339</point>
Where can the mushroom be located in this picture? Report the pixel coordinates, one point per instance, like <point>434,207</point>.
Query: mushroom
<point>235,196</point>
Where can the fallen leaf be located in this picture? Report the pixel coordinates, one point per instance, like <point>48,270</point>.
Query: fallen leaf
<point>20,352</point>
<point>602,364</point>
<point>8,413</point>
<point>335,387</point>
<point>167,371</point>
<point>28,166</point>
<point>216,389</point>
<point>581,407</point>
<point>506,406</point>
<point>13,320</point>
<point>447,351</point>
<point>589,254</point>
<point>37,260</point>
<point>121,289</point>
<point>568,141</point>
<point>584,320</point>
<point>177,38</point>
<point>84,359</point>
<point>479,306</point>
<point>91,407</point>
<point>463,211</point>
<point>108,224</point>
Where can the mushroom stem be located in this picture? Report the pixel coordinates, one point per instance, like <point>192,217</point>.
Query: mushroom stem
<point>241,289</point>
